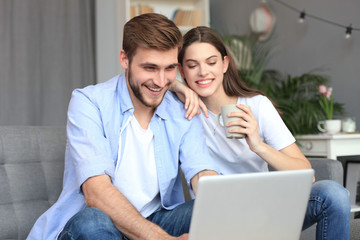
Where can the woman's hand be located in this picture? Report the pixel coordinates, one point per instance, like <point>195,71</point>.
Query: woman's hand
<point>191,100</point>
<point>248,125</point>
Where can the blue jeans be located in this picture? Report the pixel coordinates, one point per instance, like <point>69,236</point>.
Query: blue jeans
<point>329,207</point>
<point>92,223</point>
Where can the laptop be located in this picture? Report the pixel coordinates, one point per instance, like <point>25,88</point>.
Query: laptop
<point>251,206</point>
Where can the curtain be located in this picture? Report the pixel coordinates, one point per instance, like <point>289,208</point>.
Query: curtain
<point>46,51</point>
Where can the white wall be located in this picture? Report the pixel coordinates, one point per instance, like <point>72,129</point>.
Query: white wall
<point>305,47</point>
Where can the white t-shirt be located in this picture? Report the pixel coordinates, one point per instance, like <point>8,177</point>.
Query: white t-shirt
<point>234,155</point>
<point>136,176</point>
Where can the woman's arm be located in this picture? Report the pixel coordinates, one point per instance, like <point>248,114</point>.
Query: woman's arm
<point>288,158</point>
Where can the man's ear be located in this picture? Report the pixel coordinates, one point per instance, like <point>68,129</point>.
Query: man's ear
<point>124,61</point>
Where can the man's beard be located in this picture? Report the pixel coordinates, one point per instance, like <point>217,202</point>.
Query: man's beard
<point>136,90</point>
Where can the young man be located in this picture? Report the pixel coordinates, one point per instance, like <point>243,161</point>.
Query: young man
<point>126,139</point>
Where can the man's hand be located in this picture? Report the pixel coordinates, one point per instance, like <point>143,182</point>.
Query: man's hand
<point>194,181</point>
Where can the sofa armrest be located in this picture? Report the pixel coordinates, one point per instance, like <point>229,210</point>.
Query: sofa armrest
<point>327,169</point>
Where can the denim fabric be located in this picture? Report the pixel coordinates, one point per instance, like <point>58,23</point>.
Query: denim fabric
<point>92,223</point>
<point>329,207</point>
<point>175,222</point>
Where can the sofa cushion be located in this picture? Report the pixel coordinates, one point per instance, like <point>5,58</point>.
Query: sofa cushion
<point>31,172</point>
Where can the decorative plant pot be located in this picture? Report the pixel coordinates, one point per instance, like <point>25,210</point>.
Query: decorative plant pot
<point>330,126</point>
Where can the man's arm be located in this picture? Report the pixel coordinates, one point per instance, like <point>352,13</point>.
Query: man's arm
<point>100,193</point>
<point>194,181</point>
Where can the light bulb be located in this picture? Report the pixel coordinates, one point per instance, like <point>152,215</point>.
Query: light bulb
<point>348,32</point>
<point>302,17</point>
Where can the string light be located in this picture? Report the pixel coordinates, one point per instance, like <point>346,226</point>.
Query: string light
<point>348,29</point>
<point>302,16</point>
<point>348,32</point>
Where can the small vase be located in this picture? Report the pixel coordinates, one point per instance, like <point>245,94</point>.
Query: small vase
<point>330,126</point>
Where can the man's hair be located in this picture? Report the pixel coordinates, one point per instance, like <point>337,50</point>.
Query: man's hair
<point>151,31</point>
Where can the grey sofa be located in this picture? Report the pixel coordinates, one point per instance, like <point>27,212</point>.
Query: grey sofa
<point>31,171</point>
<point>329,169</point>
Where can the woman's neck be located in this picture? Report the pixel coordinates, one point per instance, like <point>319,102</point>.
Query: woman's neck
<point>215,101</point>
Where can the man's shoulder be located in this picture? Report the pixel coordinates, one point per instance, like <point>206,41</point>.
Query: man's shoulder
<point>99,88</point>
<point>173,111</point>
<point>100,93</point>
<point>102,97</point>
<point>171,98</point>
<point>172,106</point>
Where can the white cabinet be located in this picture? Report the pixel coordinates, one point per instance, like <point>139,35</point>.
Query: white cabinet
<point>329,145</point>
<point>186,13</point>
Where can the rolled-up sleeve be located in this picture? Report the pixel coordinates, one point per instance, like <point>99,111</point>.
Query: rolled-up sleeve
<point>194,154</point>
<point>89,148</point>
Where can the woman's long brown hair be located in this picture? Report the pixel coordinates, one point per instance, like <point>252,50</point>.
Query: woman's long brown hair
<point>232,83</point>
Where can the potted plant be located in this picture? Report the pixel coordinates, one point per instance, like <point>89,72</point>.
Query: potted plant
<point>326,102</point>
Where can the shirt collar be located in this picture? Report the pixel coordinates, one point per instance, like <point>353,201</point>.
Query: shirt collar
<point>161,110</point>
<point>124,95</point>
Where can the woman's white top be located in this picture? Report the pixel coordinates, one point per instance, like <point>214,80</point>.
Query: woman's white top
<point>234,155</point>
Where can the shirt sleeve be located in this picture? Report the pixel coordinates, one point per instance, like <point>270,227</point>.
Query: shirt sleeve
<point>89,148</point>
<point>274,131</point>
<point>194,153</point>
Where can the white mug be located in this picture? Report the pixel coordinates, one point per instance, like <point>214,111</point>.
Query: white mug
<point>225,110</point>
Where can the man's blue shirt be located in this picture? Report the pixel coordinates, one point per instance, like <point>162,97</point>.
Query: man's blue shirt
<point>97,118</point>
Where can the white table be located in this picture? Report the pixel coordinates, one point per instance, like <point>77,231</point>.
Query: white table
<point>332,146</point>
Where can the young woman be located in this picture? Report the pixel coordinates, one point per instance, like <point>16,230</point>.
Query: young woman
<point>209,71</point>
